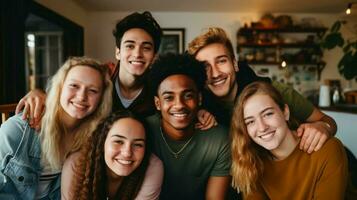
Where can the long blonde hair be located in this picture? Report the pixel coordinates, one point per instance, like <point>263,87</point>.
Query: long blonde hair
<point>247,156</point>
<point>51,127</point>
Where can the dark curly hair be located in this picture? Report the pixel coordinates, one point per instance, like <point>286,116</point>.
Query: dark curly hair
<point>144,21</point>
<point>172,64</point>
<point>91,182</point>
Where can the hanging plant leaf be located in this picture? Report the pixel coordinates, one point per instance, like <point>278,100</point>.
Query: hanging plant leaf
<point>336,27</point>
<point>332,40</point>
<point>347,65</point>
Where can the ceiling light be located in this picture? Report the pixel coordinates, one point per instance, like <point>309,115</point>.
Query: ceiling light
<point>349,6</point>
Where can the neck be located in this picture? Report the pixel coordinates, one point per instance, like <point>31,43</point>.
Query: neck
<point>113,183</point>
<point>287,146</point>
<point>231,96</point>
<point>130,85</point>
<point>177,134</point>
<point>69,123</point>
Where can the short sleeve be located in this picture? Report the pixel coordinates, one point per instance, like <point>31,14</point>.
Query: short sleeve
<point>299,106</point>
<point>223,163</point>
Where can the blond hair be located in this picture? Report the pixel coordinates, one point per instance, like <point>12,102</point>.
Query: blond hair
<point>51,127</point>
<point>247,156</point>
<point>211,36</point>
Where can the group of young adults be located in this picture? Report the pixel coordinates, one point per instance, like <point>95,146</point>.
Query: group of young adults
<point>182,127</point>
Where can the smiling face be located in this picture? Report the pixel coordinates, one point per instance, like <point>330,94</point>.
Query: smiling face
<point>265,121</point>
<point>81,92</point>
<point>221,69</point>
<point>177,100</point>
<point>124,147</point>
<point>136,52</point>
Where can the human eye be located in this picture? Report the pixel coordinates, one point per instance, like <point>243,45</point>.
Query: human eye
<point>168,97</point>
<point>249,122</point>
<point>130,46</point>
<point>93,91</point>
<point>73,85</point>
<point>139,145</point>
<point>268,114</point>
<point>147,47</point>
<point>221,60</point>
<point>189,95</point>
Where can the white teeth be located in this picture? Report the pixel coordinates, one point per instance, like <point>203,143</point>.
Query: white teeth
<point>180,114</point>
<point>137,62</point>
<point>218,82</point>
<point>267,136</point>
<point>125,162</point>
<point>80,106</point>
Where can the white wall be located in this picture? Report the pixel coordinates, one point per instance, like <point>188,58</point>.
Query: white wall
<point>346,129</point>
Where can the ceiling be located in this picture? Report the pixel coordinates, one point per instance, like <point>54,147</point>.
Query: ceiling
<point>261,6</point>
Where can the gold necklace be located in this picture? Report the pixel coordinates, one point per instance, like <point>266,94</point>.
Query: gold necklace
<point>176,154</point>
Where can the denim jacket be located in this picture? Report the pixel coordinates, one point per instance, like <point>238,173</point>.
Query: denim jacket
<point>20,161</point>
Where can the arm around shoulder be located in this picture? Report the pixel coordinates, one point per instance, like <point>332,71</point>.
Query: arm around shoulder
<point>151,187</point>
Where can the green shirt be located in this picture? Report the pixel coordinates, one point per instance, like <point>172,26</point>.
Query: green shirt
<point>207,154</point>
<point>300,107</point>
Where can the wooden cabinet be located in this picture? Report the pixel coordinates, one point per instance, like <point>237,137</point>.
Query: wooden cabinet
<point>272,46</point>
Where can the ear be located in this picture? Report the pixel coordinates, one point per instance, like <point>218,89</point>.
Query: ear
<point>235,65</point>
<point>157,103</point>
<point>117,53</point>
<point>286,112</point>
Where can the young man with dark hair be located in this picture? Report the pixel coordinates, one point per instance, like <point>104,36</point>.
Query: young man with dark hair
<point>138,38</point>
<point>227,78</point>
<point>196,163</point>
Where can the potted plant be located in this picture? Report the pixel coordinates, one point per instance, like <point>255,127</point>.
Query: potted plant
<point>347,66</point>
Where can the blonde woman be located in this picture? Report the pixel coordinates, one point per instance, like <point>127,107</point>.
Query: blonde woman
<point>79,96</point>
<point>266,160</point>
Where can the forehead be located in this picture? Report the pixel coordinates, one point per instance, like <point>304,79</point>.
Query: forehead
<point>84,74</point>
<point>127,127</point>
<point>137,35</point>
<point>212,51</point>
<point>176,84</point>
<point>257,103</point>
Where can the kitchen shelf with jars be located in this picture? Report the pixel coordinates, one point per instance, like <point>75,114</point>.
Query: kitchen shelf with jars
<point>286,49</point>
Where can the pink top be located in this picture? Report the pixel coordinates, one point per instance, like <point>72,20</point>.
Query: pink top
<point>150,189</point>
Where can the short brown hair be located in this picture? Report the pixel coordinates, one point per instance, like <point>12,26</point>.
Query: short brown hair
<point>211,36</point>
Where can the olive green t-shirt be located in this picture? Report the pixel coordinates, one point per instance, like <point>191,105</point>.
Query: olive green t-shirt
<point>207,154</point>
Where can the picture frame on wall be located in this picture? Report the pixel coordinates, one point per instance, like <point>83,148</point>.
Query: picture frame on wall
<point>173,40</point>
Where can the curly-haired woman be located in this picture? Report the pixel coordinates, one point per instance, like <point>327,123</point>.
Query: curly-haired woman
<point>115,163</point>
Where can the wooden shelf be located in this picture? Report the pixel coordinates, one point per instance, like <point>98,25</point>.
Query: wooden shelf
<point>275,45</point>
<point>322,30</point>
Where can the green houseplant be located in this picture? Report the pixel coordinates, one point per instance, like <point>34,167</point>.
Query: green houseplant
<point>347,66</point>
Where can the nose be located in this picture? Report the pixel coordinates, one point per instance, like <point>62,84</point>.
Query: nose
<point>138,52</point>
<point>213,71</point>
<point>262,126</point>
<point>82,94</point>
<point>179,103</point>
<point>126,150</point>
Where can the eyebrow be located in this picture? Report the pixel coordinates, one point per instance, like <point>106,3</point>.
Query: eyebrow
<point>184,91</point>
<point>268,108</point>
<point>222,56</point>
<point>132,41</point>
<point>72,80</point>
<point>123,137</point>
